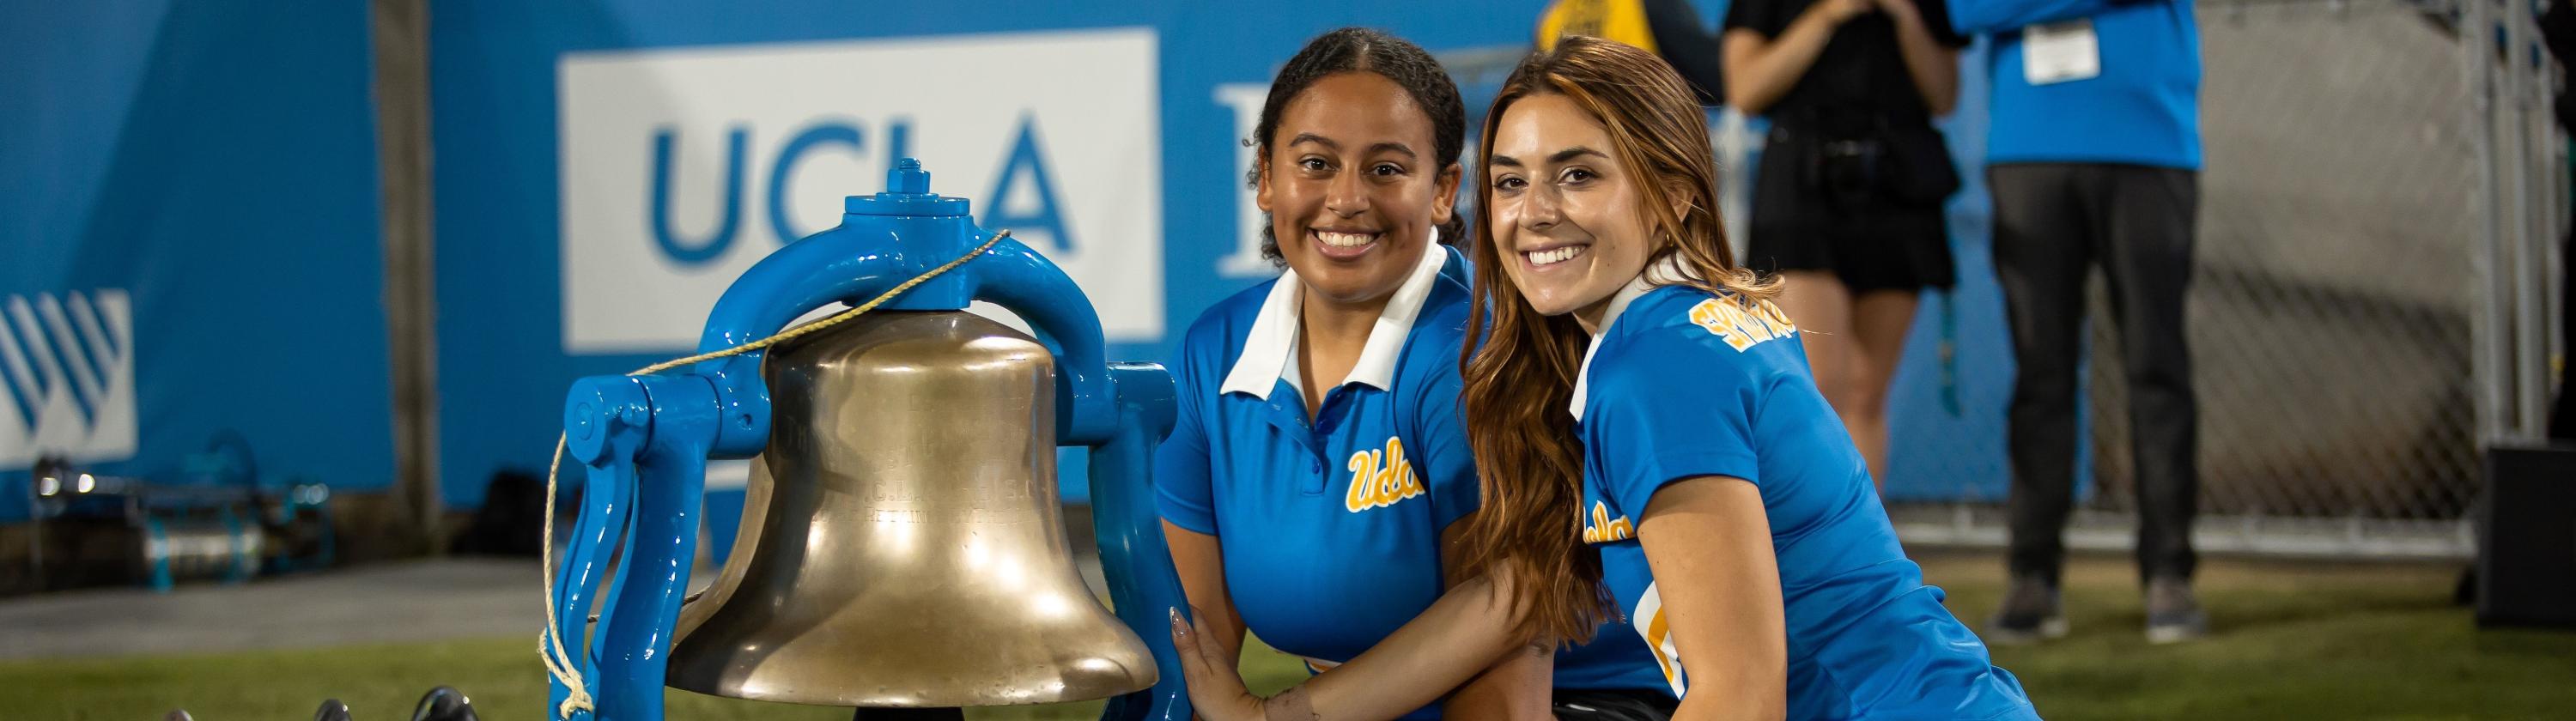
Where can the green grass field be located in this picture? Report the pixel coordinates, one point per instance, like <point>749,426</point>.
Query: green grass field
<point>2294,640</point>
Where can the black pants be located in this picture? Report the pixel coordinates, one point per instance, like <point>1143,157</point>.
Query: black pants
<point>2053,222</point>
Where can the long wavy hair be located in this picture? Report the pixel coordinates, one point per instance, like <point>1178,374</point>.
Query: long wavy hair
<point>1519,367</point>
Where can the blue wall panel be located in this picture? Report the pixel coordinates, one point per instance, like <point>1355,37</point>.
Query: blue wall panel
<point>214,162</point>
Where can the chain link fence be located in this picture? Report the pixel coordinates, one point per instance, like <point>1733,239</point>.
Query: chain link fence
<point>2365,291</point>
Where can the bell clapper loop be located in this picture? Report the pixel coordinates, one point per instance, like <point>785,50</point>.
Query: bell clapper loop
<point>621,462</point>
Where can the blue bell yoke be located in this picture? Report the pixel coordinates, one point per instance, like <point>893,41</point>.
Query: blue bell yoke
<point>646,439</point>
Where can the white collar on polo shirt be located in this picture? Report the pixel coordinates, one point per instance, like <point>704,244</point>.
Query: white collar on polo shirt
<point>1270,350</point>
<point>1665,272</point>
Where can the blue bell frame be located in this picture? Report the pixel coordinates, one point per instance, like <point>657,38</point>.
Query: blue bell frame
<point>645,440</point>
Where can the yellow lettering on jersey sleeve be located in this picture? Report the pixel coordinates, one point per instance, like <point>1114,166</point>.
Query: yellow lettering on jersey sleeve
<point>1742,324</point>
<point>1716,317</point>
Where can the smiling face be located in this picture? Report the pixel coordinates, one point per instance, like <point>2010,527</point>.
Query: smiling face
<point>1352,188</point>
<point>1567,217</point>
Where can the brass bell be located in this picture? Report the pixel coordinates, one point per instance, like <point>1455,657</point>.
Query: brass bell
<point>901,540</point>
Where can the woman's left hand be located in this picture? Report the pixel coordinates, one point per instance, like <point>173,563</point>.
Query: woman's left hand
<point>1216,687</point>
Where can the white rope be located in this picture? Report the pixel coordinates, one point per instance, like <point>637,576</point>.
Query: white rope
<point>550,647</point>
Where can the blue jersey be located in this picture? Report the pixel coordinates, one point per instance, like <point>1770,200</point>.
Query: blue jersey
<point>1685,383</point>
<point>1331,529</point>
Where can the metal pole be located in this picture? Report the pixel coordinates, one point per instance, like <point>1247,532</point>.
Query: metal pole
<point>2486,261</point>
<point>401,48</point>
<point>2511,191</point>
<point>2545,200</point>
<point>2531,386</point>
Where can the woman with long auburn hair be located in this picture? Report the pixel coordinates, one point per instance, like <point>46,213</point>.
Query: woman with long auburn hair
<point>1637,393</point>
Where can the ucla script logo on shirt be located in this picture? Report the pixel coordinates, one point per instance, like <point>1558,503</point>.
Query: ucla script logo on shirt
<point>1601,528</point>
<point>1380,478</point>
<point>1740,324</point>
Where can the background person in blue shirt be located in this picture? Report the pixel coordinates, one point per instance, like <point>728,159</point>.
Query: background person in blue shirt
<point>1320,459</point>
<point>1631,369</point>
<point>2093,155</point>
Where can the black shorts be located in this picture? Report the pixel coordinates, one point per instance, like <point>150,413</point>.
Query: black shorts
<point>1614,705</point>
<point>1870,242</point>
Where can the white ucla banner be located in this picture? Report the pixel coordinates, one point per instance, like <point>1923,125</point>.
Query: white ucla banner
<point>66,377</point>
<point>680,168</point>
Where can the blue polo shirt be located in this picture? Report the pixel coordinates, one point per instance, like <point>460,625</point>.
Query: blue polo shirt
<point>1331,529</point>
<point>1686,383</point>
<point>2143,108</point>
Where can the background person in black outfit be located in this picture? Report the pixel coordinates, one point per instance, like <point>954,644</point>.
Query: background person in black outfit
<point>1847,202</point>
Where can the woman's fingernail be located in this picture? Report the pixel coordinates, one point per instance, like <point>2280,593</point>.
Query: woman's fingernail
<point>1179,627</point>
